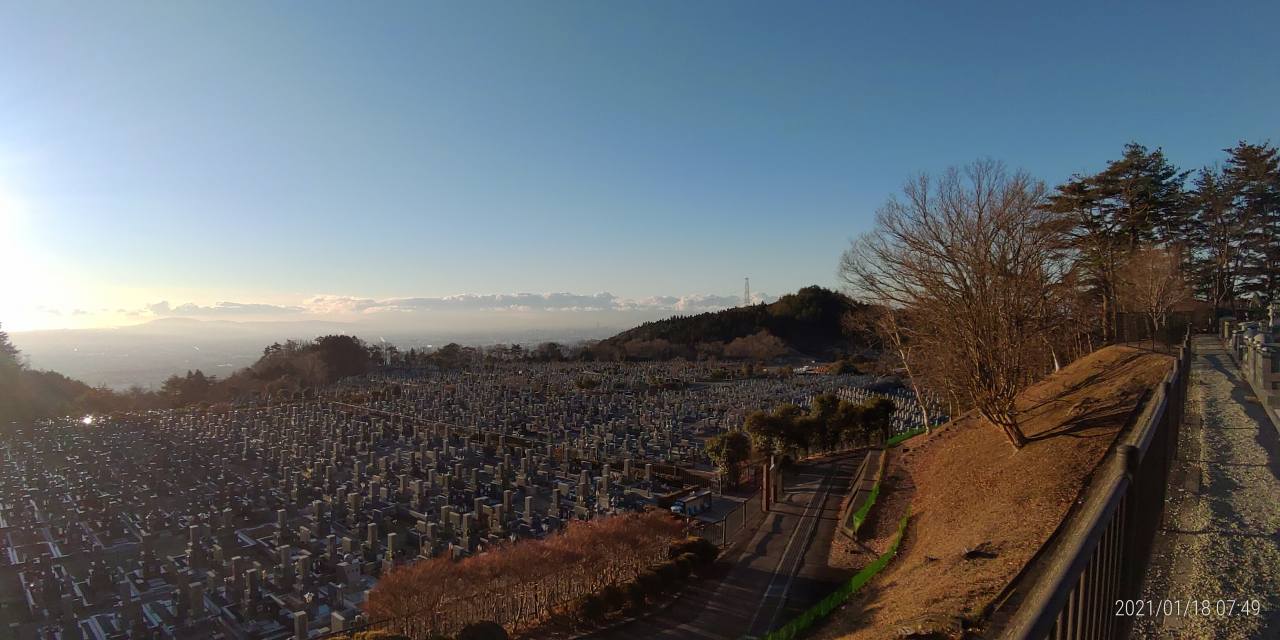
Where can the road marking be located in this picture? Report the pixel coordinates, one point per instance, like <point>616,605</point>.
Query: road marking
<point>822,482</point>
<point>825,485</point>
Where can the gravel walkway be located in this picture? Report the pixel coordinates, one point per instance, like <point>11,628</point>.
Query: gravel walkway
<point>1221,536</point>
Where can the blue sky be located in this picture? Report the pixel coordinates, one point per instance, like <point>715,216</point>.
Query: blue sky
<point>274,153</point>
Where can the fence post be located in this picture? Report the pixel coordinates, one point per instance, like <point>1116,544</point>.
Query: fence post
<point>765,483</point>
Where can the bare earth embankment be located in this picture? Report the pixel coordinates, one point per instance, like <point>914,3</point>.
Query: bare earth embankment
<point>980,510</point>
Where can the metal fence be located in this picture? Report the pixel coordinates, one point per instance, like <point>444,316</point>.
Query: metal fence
<point>724,532</point>
<point>1100,553</point>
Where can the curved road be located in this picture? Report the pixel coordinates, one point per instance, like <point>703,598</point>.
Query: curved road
<point>767,579</point>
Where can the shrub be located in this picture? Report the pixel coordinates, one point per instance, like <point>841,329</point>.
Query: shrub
<point>670,573</point>
<point>685,564</point>
<point>705,550</point>
<point>612,597</point>
<point>682,546</point>
<point>483,631</point>
<point>377,635</point>
<point>650,582</point>
<point>589,609</point>
<point>635,593</point>
<point>692,560</point>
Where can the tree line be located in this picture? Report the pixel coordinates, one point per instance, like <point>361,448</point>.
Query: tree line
<point>829,424</point>
<point>982,280</point>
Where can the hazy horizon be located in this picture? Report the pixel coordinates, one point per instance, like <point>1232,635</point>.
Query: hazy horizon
<point>146,355</point>
<point>148,352</point>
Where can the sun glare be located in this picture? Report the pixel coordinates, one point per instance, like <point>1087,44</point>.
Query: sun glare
<point>33,300</point>
<point>19,296</point>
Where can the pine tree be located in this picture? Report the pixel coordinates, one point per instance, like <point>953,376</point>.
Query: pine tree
<point>1216,234</point>
<point>1253,172</point>
<point>1138,199</point>
<point>1144,194</point>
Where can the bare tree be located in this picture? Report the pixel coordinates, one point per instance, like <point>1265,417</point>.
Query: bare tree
<point>1150,282</point>
<point>895,343</point>
<point>762,346</point>
<point>974,260</point>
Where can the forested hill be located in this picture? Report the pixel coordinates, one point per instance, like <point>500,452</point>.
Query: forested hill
<point>808,321</point>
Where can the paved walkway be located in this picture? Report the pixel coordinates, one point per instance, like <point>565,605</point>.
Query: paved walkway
<point>775,575</point>
<point>1220,541</point>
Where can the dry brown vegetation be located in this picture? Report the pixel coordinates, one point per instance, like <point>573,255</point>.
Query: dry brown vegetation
<point>1151,283</point>
<point>975,263</point>
<point>520,585</point>
<point>968,494</point>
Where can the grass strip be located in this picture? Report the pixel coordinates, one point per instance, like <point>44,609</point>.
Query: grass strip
<point>822,609</point>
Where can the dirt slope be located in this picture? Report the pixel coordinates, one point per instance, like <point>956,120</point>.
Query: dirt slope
<point>969,490</point>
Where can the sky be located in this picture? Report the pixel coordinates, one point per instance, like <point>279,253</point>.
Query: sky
<point>397,160</point>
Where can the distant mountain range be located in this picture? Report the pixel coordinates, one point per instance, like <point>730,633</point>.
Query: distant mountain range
<point>809,322</point>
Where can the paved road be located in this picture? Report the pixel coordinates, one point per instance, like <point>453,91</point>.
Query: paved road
<point>1220,541</point>
<point>764,581</point>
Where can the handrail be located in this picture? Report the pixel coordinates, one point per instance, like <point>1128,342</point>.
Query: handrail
<point>1066,593</point>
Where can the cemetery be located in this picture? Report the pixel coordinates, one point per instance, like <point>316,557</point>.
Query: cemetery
<point>277,520</point>
<point>1255,346</point>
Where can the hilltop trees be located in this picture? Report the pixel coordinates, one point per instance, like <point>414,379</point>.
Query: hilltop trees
<point>343,356</point>
<point>190,389</point>
<point>808,321</point>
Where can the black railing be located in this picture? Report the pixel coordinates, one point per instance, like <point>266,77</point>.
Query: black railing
<point>1100,553</point>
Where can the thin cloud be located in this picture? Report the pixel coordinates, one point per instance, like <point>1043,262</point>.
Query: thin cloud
<point>521,302</point>
<point>556,302</point>
<point>164,309</point>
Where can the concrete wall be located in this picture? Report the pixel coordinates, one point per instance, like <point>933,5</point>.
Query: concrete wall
<point>1259,363</point>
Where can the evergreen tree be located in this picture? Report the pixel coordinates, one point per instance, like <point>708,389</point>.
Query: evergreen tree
<point>1253,172</point>
<point>1137,199</point>
<point>1144,194</point>
<point>1216,236</point>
